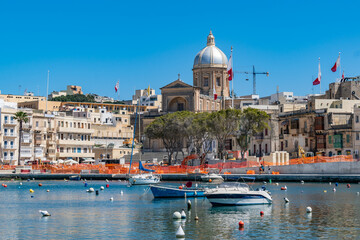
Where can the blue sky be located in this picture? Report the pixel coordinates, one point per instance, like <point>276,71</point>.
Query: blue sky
<point>95,43</point>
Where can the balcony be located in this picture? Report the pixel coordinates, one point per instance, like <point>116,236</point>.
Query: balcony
<point>10,135</point>
<point>10,122</point>
<point>75,142</point>
<point>26,126</point>
<point>73,155</point>
<point>75,130</point>
<point>8,146</point>
<point>40,142</point>
<point>9,158</point>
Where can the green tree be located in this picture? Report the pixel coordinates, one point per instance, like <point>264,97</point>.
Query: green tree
<point>171,129</point>
<point>199,134</point>
<point>21,117</point>
<point>252,121</point>
<point>74,98</point>
<point>223,124</point>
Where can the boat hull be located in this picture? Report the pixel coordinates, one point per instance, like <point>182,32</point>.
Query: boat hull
<point>168,192</point>
<point>138,181</point>
<point>237,199</point>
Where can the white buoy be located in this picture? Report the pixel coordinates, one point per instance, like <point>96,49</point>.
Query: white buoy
<point>358,193</point>
<point>286,200</point>
<point>183,214</point>
<point>45,213</point>
<point>48,190</point>
<point>102,188</point>
<point>111,199</point>
<point>302,182</point>
<point>334,189</point>
<point>180,232</point>
<point>277,184</point>
<point>121,192</point>
<point>329,183</point>
<point>91,189</point>
<point>107,180</point>
<point>20,183</point>
<point>176,215</point>
<point>308,209</point>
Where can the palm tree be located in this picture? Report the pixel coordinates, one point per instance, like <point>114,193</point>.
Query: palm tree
<point>21,117</point>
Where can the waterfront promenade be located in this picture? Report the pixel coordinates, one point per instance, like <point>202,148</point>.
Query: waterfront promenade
<point>345,178</point>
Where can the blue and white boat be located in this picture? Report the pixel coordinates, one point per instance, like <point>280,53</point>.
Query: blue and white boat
<point>237,194</point>
<point>173,192</point>
<point>145,178</point>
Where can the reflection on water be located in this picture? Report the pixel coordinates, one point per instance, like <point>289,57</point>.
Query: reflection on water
<point>77,214</point>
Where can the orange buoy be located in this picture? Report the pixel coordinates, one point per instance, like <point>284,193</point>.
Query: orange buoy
<point>180,187</point>
<point>283,188</point>
<point>5,185</point>
<point>210,180</point>
<point>261,213</point>
<point>40,184</point>
<point>107,185</point>
<point>241,225</point>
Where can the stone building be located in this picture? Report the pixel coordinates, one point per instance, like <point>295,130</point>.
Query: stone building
<point>209,73</point>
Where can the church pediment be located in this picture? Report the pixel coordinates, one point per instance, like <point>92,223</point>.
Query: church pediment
<point>177,84</point>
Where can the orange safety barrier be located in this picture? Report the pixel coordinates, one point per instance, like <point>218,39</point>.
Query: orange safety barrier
<point>250,172</point>
<point>184,169</point>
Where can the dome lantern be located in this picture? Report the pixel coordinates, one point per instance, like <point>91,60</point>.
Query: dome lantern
<point>210,39</point>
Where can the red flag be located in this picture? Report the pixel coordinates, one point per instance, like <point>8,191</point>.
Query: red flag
<point>229,68</point>
<point>117,86</point>
<point>336,65</point>
<point>318,79</point>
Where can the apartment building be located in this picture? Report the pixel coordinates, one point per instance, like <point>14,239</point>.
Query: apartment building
<point>74,136</point>
<point>9,136</point>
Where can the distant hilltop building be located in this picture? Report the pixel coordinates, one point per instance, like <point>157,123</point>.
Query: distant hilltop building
<point>70,90</point>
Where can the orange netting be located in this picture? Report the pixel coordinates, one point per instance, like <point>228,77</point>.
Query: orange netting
<point>124,169</point>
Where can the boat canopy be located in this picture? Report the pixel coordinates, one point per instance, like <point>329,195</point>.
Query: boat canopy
<point>141,167</point>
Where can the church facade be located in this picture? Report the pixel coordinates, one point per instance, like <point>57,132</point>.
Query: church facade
<point>209,78</point>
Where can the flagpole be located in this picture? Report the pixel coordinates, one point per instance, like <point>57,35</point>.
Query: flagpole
<point>232,82</point>
<point>340,66</point>
<point>320,75</point>
<point>47,91</point>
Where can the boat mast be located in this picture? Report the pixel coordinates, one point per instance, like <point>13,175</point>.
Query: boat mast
<point>132,146</point>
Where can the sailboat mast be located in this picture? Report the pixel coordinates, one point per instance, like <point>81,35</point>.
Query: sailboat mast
<point>133,141</point>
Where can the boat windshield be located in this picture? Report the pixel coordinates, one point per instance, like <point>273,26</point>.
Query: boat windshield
<point>233,185</point>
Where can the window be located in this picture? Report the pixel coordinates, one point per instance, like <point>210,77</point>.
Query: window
<point>286,143</point>
<point>266,131</point>
<point>306,142</point>
<point>218,81</point>
<point>347,138</point>
<point>74,150</point>
<point>78,150</point>
<point>36,124</point>
<point>357,136</point>
<point>357,118</point>
<point>329,139</point>
<point>85,150</point>
<point>206,81</point>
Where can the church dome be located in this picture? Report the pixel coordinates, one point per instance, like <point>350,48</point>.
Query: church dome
<point>210,55</point>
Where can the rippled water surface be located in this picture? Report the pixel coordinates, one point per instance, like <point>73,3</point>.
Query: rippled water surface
<point>77,214</point>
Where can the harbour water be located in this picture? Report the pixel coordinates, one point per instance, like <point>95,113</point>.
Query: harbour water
<point>134,214</point>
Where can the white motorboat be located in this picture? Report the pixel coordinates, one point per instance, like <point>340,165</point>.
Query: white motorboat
<point>236,194</point>
<point>144,179</point>
<point>212,177</point>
